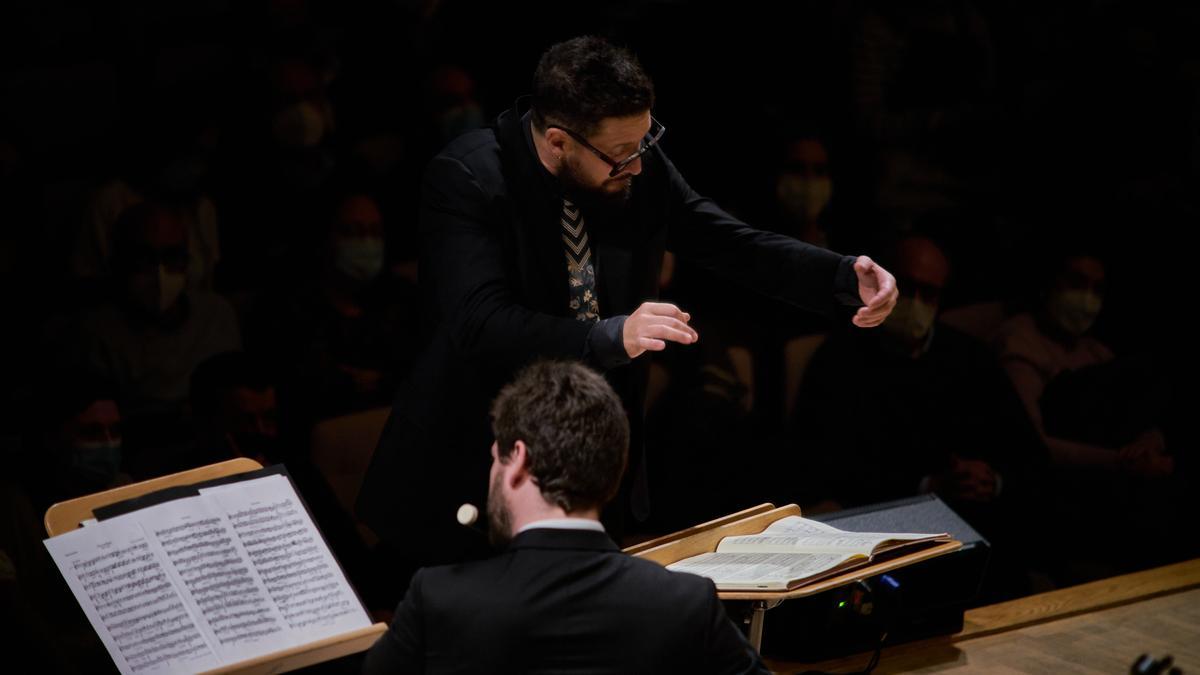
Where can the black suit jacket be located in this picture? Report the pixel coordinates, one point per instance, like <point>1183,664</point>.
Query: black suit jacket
<point>495,297</point>
<point>561,601</point>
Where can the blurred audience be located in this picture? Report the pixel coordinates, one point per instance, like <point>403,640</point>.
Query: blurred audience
<point>943,418</point>
<point>153,332</point>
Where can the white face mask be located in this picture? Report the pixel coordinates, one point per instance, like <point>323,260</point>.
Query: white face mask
<point>360,258</point>
<point>162,292</point>
<point>803,197</point>
<point>1074,311</point>
<point>910,319</point>
<point>170,287</point>
<point>299,125</point>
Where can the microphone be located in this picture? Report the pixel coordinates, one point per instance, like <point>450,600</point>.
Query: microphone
<point>467,515</point>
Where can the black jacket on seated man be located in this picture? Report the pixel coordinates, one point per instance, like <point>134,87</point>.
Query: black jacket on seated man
<point>561,601</point>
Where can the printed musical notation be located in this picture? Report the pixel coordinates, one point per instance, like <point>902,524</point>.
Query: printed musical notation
<point>289,554</point>
<point>190,584</point>
<point>219,578</point>
<point>128,594</point>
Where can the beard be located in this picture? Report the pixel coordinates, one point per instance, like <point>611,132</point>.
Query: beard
<point>499,517</point>
<point>596,199</point>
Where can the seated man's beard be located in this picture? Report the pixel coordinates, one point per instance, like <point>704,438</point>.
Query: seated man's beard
<point>499,517</point>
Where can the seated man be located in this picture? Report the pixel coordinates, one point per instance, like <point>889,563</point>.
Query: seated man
<point>561,597</point>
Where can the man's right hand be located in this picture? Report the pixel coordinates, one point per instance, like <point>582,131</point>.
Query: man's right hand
<point>652,324</point>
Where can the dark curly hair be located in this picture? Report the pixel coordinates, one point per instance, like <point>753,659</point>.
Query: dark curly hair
<point>574,427</point>
<point>586,79</point>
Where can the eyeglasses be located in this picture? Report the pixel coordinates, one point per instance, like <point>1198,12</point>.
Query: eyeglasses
<point>655,133</point>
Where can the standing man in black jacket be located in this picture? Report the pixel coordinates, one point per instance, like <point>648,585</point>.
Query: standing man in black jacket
<point>562,598</point>
<point>542,236</point>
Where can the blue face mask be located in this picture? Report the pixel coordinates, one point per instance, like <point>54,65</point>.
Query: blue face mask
<point>95,463</point>
<point>360,258</point>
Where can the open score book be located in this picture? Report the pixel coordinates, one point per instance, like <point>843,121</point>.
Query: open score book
<point>793,552</point>
<point>235,572</point>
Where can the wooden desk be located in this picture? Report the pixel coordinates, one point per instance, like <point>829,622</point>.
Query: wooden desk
<point>1099,627</point>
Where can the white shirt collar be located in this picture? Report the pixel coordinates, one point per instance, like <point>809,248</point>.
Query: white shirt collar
<point>564,524</point>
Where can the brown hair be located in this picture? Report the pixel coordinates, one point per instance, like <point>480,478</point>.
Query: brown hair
<point>574,426</point>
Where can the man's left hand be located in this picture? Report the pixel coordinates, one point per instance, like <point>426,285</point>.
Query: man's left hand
<point>877,288</point>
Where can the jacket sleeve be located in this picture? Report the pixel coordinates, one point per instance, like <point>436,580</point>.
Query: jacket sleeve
<point>464,257</point>
<point>773,264</point>
<point>402,648</point>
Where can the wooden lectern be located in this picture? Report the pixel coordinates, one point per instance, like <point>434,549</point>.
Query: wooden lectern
<point>66,516</point>
<point>705,537</point>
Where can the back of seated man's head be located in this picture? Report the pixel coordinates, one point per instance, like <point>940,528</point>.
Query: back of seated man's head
<point>562,442</point>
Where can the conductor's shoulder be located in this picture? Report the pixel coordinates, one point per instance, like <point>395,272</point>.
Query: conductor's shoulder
<point>478,150</point>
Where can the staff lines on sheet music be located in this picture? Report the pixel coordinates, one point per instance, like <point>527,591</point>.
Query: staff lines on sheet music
<point>234,616</point>
<point>321,618</point>
<point>144,617</point>
<point>282,598</point>
<point>133,608</point>
<point>222,585</point>
<point>274,571</point>
<point>169,645</point>
<point>141,630</point>
<point>260,560</point>
<point>225,541</point>
<point>222,602</point>
<point>168,657</point>
<point>118,577</point>
<point>285,599</point>
<point>196,581</point>
<point>230,559</point>
<point>166,585</point>
<point>188,560</point>
<point>256,510</point>
<point>265,552</point>
<point>84,564</point>
<point>253,544</point>
<point>245,532</point>
<point>253,634</point>
<point>168,531</point>
<point>116,565</point>
<point>290,575</point>
<point>105,595</point>
<point>160,636</point>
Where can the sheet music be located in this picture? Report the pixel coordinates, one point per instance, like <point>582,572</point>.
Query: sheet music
<point>287,551</point>
<point>794,533</point>
<point>192,584</point>
<point>215,573</point>
<point>759,569</point>
<point>123,586</point>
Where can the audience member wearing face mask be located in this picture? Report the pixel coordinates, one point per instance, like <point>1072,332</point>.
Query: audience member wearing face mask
<point>80,437</point>
<point>346,337</point>
<point>1102,417</point>
<point>804,190</point>
<point>62,442</point>
<point>1051,345</point>
<point>948,421</point>
<point>153,333</point>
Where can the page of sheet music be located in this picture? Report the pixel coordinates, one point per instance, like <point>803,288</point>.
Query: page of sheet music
<point>288,553</point>
<point>123,586</point>
<point>765,569</point>
<point>214,571</point>
<point>793,532</point>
